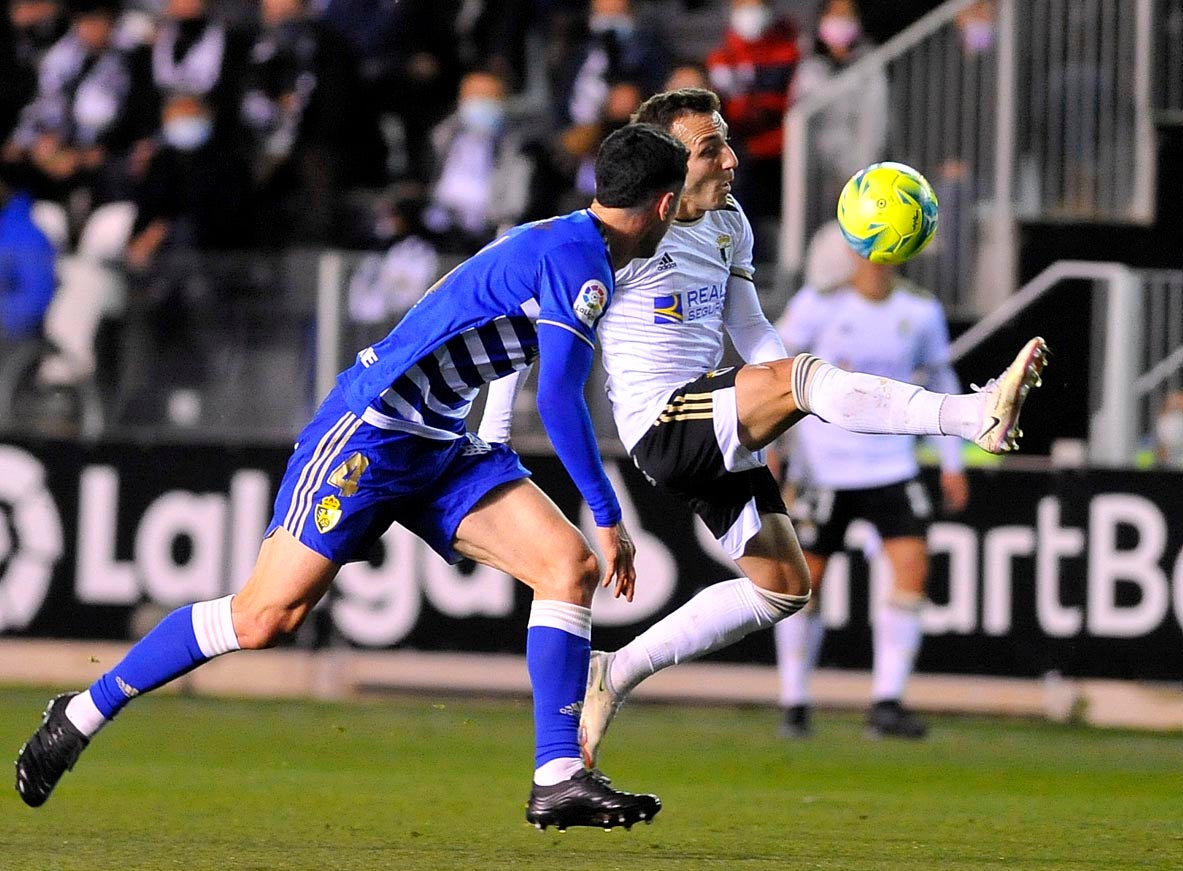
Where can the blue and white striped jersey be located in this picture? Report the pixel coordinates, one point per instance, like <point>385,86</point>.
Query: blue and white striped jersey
<point>479,323</point>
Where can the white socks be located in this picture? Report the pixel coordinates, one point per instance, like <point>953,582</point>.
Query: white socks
<point>798,643</point>
<point>557,770</point>
<point>87,718</point>
<point>859,402</point>
<point>720,615</point>
<point>897,634</point>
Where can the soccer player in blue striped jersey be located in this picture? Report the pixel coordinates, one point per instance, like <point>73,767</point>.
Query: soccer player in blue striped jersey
<point>389,445</point>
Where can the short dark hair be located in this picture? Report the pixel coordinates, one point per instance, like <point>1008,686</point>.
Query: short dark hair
<point>662,110</point>
<point>637,163</point>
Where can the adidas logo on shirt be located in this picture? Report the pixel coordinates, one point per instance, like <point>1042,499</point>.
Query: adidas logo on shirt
<point>666,262</point>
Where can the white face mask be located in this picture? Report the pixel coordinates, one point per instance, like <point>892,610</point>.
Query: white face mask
<point>838,31</point>
<point>482,114</point>
<point>188,134</point>
<point>750,22</point>
<point>621,24</point>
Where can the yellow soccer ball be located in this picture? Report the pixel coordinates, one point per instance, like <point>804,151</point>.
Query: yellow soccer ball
<point>887,212</point>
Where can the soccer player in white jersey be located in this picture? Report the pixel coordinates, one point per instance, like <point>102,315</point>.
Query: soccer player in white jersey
<point>867,318</point>
<point>698,431</point>
<point>389,445</point>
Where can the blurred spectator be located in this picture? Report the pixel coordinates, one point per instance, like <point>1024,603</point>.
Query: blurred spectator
<point>407,63</point>
<point>957,183</point>
<point>580,143</point>
<point>196,198</point>
<point>26,267</point>
<point>851,132</point>
<point>492,35</point>
<point>689,74</point>
<point>615,47</point>
<point>311,133</point>
<point>1168,432</point>
<point>196,53</point>
<point>94,102</point>
<point>751,72</point>
<point>196,192</point>
<point>33,26</point>
<point>482,172</point>
<point>385,285</point>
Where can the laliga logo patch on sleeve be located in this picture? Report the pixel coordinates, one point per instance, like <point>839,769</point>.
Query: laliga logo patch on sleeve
<point>591,302</point>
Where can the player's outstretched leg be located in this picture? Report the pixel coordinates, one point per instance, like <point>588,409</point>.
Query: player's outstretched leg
<point>1005,395</point>
<point>600,704</point>
<point>49,753</point>
<point>859,402</point>
<point>588,799</point>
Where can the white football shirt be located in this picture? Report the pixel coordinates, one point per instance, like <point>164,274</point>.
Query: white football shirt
<point>665,325</point>
<point>904,337</point>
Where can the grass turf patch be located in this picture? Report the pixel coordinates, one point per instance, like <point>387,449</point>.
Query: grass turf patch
<point>441,783</point>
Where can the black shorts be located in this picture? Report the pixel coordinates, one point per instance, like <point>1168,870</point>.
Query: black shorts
<point>681,454</point>
<point>821,515</point>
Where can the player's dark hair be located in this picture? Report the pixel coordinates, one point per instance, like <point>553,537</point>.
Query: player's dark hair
<point>662,110</point>
<point>637,163</point>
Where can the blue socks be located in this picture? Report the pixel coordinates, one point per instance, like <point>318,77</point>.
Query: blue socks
<point>181,641</point>
<point>558,650</point>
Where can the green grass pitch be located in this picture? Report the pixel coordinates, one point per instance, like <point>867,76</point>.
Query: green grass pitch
<point>440,783</point>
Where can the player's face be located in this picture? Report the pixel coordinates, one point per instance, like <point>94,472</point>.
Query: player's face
<point>711,167</point>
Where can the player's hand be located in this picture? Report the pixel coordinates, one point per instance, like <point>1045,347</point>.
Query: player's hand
<point>619,552</point>
<point>954,492</point>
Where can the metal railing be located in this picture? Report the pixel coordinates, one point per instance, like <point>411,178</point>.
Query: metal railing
<point>1168,65</point>
<point>1055,114</point>
<point>1137,356</point>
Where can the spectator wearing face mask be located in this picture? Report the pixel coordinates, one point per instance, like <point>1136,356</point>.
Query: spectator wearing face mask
<point>482,174</point>
<point>194,197</point>
<point>852,131</point>
<point>195,194</point>
<point>958,181</point>
<point>751,72</point>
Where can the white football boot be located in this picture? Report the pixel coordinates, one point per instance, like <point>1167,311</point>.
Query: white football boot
<point>1004,397</point>
<point>599,707</point>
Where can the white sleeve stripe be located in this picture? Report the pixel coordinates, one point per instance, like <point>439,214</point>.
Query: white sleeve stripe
<point>569,329</point>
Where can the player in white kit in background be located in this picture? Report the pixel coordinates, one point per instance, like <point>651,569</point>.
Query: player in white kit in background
<point>862,317</point>
<point>699,432</point>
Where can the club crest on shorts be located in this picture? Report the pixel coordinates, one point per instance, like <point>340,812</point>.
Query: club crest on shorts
<point>591,302</point>
<point>723,242</point>
<point>328,514</point>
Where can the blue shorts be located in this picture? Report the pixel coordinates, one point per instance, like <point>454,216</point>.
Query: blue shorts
<point>348,481</point>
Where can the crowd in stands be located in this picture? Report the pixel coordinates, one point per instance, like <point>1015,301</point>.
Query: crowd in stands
<point>133,131</point>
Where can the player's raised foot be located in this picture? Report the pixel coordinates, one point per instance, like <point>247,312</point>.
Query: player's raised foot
<point>50,753</point>
<point>796,722</point>
<point>588,799</point>
<point>600,705</point>
<point>890,719</point>
<point>1005,395</point>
